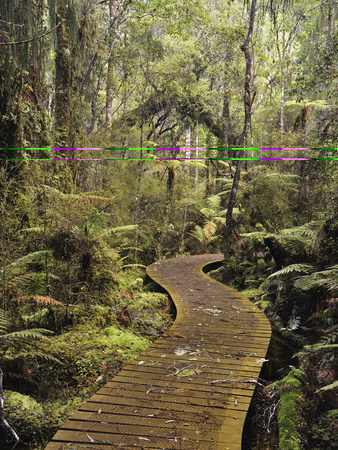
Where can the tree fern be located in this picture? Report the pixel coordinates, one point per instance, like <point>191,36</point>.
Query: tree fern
<point>326,278</point>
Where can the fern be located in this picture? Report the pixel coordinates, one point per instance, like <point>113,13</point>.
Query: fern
<point>330,336</point>
<point>325,278</point>
<point>207,212</point>
<point>209,229</point>
<point>4,322</point>
<point>295,243</point>
<point>298,268</point>
<point>320,347</point>
<point>41,300</point>
<point>114,230</point>
<point>329,387</point>
<point>18,340</point>
<point>31,257</point>
<point>132,265</point>
<point>36,229</point>
<point>84,198</point>
<point>307,283</point>
<point>197,233</point>
<point>214,202</point>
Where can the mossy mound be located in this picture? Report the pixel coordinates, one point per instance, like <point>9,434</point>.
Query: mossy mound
<point>289,415</point>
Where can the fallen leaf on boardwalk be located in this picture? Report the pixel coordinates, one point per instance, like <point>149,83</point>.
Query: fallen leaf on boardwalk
<point>179,335</point>
<point>90,438</point>
<point>143,439</point>
<point>179,351</point>
<point>261,360</point>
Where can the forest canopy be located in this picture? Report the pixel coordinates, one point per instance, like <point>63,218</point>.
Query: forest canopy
<point>129,73</point>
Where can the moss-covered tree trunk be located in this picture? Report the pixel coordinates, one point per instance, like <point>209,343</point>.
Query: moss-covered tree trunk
<point>63,79</point>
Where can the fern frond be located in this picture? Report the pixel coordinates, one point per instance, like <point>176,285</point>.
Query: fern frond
<point>41,300</point>
<point>121,229</point>
<point>214,201</point>
<point>39,354</point>
<point>30,334</point>
<point>197,233</point>
<point>33,229</point>
<point>31,257</point>
<point>316,348</point>
<point>4,322</point>
<point>306,283</point>
<point>19,340</point>
<point>297,244</point>
<point>220,219</point>
<point>207,212</point>
<point>329,387</point>
<point>257,235</point>
<point>132,265</point>
<point>299,268</point>
<point>209,229</point>
<point>325,278</point>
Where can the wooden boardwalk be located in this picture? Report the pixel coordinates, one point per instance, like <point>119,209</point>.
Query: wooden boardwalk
<point>192,388</point>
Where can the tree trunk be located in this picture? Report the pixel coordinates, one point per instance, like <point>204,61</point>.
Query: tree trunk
<point>248,76</point>
<point>229,220</point>
<point>63,80</point>
<point>137,209</point>
<point>226,138</point>
<point>110,71</point>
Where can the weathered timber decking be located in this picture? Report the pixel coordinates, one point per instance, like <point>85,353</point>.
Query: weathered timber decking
<point>192,388</point>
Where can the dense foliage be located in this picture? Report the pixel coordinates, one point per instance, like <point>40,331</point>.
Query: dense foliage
<point>78,225</point>
<point>133,73</point>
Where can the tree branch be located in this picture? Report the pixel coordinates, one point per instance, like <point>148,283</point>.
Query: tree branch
<point>32,39</point>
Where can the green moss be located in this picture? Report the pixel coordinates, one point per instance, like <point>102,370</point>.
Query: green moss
<point>252,294</point>
<point>126,340</point>
<point>149,300</point>
<point>264,305</point>
<point>22,405</point>
<point>291,401</point>
<point>25,415</point>
<point>34,422</point>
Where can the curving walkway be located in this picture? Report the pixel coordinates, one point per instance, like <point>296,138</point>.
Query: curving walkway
<point>192,388</point>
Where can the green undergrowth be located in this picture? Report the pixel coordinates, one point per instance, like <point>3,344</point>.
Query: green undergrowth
<point>324,435</point>
<point>46,384</point>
